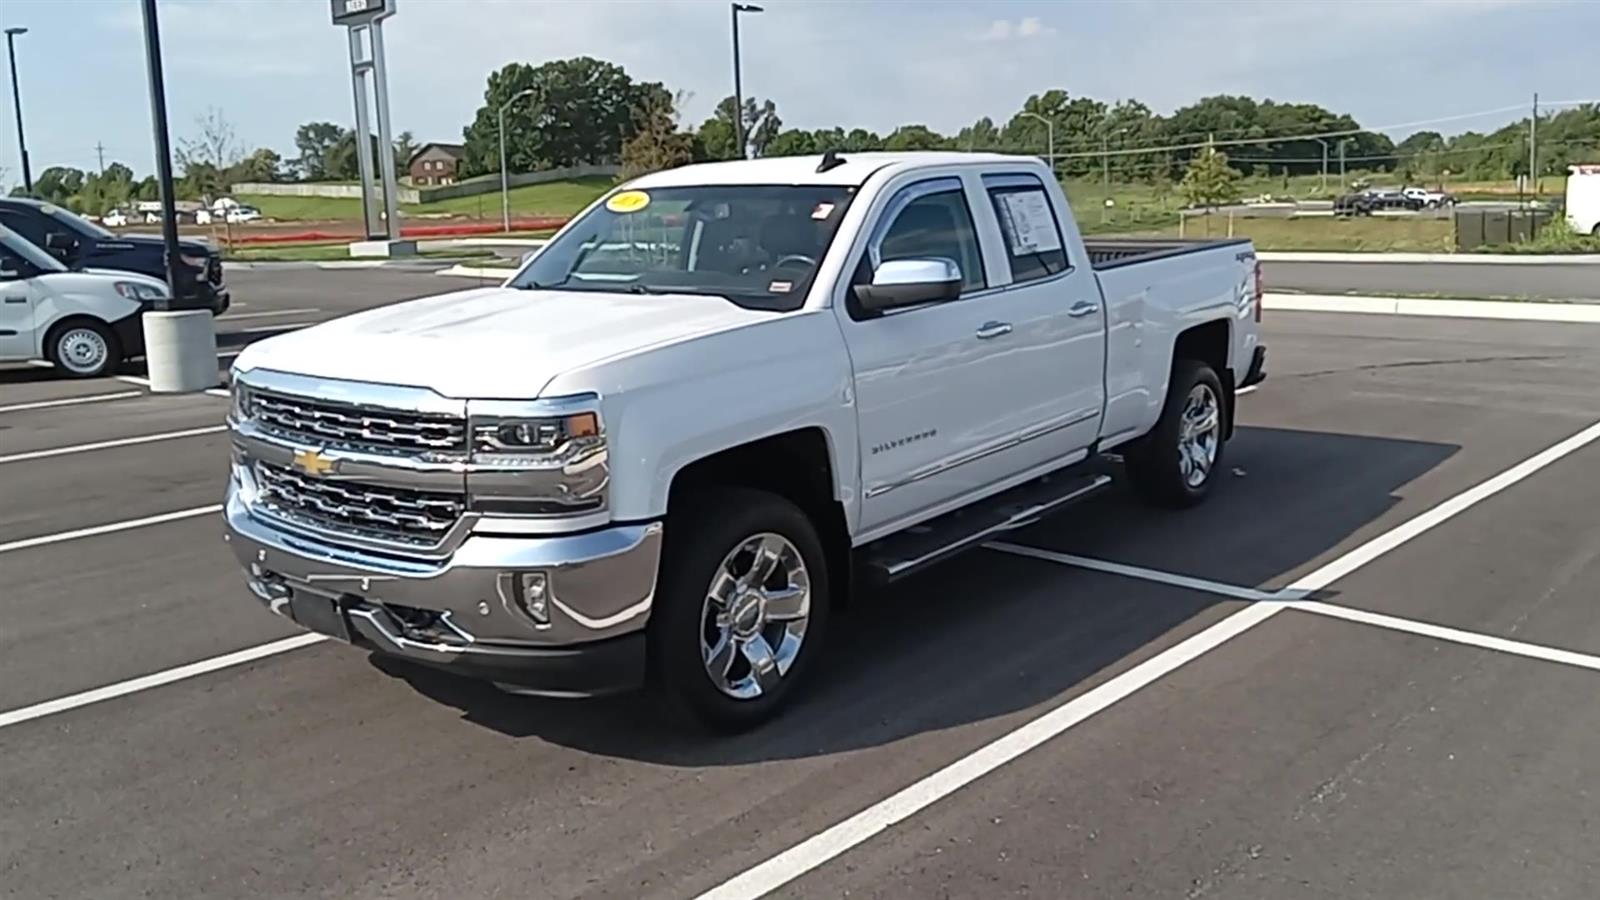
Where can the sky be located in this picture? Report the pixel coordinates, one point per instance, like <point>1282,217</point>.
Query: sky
<point>270,65</point>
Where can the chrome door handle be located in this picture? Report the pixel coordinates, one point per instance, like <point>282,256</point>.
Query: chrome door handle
<point>1083,308</point>
<point>993,330</point>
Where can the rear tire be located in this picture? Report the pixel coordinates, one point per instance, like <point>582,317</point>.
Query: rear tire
<point>726,645</point>
<point>83,348</point>
<point>1175,464</point>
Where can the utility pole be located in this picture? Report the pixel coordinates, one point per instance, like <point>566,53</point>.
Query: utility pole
<point>738,91</point>
<point>1049,138</point>
<point>1533,148</point>
<point>16,102</point>
<point>100,151</point>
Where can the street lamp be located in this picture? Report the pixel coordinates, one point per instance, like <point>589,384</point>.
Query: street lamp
<point>1049,138</point>
<point>16,102</point>
<point>505,182</point>
<point>738,93</point>
<point>1105,168</point>
<point>1324,163</point>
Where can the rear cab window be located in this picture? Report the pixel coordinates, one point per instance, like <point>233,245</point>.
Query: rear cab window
<point>1030,232</point>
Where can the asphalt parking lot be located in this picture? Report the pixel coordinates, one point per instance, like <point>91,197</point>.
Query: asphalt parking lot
<point>1369,667</point>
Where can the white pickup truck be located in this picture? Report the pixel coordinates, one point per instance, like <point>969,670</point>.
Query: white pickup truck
<point>720,402</point>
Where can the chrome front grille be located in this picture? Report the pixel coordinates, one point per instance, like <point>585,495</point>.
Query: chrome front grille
<point>347,426</point>
<point>393,514</point>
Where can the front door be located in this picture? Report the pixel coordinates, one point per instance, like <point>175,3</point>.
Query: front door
<point>943,390</point>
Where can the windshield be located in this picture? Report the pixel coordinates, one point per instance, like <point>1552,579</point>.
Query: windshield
<point>756,245</point>
<point>82,226</point>
<point>17,245</point>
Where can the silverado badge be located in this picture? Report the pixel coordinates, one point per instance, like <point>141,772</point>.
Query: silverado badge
<point>313,463</point>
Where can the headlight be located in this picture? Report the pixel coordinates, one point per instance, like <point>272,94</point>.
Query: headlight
<point>545,465</point>
<point>238,399</point>
<point>135,290</point>
<point>194,262</point>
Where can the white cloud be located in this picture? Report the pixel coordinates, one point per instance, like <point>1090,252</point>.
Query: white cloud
<point>1024,28</point>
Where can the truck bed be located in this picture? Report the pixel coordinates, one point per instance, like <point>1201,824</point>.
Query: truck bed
<point>1112,253</point>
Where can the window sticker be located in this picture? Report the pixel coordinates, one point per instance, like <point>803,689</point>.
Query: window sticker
<point>822,211</point>
<point>780,287</point>
<point>628,202</point>
<point>1032,228</point>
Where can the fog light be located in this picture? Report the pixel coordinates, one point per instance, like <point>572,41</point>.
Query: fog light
<point>529,592</point>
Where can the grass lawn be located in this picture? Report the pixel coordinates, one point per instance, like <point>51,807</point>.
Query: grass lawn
<point>560,198</point>
<point>1360,234</point>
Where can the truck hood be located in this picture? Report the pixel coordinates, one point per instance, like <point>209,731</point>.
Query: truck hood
<point>146,244</point>
<point>492,343</point>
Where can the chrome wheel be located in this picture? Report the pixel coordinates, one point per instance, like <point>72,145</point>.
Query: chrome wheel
<point>753,621</point>
<point>82,350</point>
<point>1199,435</point>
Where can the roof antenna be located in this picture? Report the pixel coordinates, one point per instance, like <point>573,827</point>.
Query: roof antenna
<point>830,160</point>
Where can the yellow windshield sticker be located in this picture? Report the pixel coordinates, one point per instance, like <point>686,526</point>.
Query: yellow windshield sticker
<point>628,202</point>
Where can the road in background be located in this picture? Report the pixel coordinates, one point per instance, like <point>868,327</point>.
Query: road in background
<point>1545,281</point>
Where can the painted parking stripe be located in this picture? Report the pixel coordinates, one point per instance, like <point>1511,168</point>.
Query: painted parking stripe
<point>288,326</point>
<point>818,849</point>
<point>234,317</point>
<point>71,401</point>
<point>157,679</point>
<point>1114,568</point>
<point>109,528</point>
<point>119,442</point>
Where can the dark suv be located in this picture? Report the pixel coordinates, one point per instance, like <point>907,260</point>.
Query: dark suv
<point>81,244</point>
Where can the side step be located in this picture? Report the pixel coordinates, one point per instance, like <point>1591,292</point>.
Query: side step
<point>898,555</point>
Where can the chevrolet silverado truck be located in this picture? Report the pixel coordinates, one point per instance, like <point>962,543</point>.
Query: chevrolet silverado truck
<point>721,404</point>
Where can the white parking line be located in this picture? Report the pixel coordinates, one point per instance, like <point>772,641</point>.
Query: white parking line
<point>146,682</point>
<point>110,528</point>
<point>234,317</point>
<point>1246,390</point>
<point>1454,635</point>
<point>1101,565</point>
<point>813,852</point>
<point>288,326</point>
<point>119,442</point>
<point>71,401</point>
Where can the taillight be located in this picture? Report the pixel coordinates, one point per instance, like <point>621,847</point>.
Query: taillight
<point>1259,290</point>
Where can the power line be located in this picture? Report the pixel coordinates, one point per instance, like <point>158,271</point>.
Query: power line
<point>1303,137</point>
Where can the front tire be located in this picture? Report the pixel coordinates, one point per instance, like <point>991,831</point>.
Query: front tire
<point>1175,464</point>
<point>83,348</point>
<point>741,609</point>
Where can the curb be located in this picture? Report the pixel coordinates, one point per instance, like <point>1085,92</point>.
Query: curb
<point>1492,259</point>
<point>1528,311</point>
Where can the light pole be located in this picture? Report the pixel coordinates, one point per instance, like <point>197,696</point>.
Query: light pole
<point>1324,163</point>
<point>1342,187</point>
<point>1049,138</point>
<point>738,92</point>
<point>16,103</point>
<point>505,182</point>
<point>1105,170</point>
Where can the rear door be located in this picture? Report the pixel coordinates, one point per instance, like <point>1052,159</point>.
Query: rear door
<point>17,302</point>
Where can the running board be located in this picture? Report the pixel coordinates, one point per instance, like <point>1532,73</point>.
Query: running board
<point>898,555</point>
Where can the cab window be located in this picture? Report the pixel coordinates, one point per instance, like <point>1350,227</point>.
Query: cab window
<point>932,220</point>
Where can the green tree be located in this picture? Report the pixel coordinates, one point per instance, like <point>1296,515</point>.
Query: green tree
<point>657,143</point>
<point>980,135</point>
<point>1209,180</point>
<point>577,111</point>
<point>793,142</point>
<point>206,156</point>
<point>315,142</point>
<point>263,165</point>
<point>405,147</point>
<point>913,137</point>
<point>58,184</point>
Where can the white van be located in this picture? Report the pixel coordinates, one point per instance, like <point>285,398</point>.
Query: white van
<point>85,322</point>
<point>1583,198</point>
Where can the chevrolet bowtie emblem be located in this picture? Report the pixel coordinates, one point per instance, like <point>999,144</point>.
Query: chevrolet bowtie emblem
<point>313,463</point>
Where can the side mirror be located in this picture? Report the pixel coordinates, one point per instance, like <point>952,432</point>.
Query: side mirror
<point>60,242</point>
<point>910,282</point>
<point>16,269</point>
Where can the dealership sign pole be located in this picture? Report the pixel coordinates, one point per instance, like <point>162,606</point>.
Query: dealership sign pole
<point>364,21</point>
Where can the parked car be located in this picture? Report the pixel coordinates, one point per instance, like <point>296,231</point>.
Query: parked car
<point>1583,199</point>
<point>86,322</point>
<point>115,219</point>
<point>722,399</point>
<point>1365,203</point>
<point>79,243</point>
<point>238,215</point>
<point>1429,199</point>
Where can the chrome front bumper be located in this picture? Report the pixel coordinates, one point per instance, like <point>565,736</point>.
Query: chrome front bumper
<point>600,588</point>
